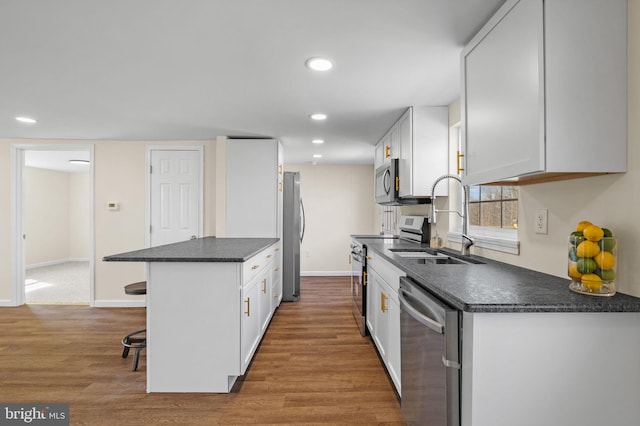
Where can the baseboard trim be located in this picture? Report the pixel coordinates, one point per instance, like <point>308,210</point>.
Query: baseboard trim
<point>7,303</point>
<point>55,262</point>
<point>325,273</point>
<point>119,303</point>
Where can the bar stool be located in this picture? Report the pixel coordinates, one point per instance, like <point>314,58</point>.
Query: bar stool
<point>138,339</point>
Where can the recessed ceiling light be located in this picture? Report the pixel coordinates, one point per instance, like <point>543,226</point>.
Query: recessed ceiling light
<point>318,116</point>
<point>79,161</point>
<point>319,64</point>
<point>317,141</point>
<point>317,155</point>
<point>26,120</point>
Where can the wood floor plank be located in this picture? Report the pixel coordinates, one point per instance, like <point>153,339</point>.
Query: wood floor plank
<point>312,368</point>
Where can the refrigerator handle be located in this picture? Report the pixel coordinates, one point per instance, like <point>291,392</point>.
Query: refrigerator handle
<point>303,221</point>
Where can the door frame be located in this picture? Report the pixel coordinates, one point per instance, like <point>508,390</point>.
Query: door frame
<point>18,266</point>
<point>150,149</point>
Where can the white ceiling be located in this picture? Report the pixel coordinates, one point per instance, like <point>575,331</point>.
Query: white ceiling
<point>196,69</point>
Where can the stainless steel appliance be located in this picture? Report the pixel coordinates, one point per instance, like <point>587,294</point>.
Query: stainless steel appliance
<point>359,278</point>
<point>293,225</point>
<point>359,284</point>
<point>415,229</point>
<point>387,183</point>
<point>430,353</point>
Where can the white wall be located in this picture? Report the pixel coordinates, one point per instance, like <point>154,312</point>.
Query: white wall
<point>57,216</point>
<point>79,215</point>
<point>119,175</point>
<point>46,202</point>
<point>338,201</point>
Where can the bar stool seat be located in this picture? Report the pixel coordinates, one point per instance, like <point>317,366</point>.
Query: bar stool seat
<point>138,339</point>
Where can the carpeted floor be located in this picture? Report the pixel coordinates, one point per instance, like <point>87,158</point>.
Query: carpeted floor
<point>64,283</point>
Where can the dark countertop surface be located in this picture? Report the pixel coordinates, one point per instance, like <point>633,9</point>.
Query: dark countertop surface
<point>207,249</point>
<point>497,287</point>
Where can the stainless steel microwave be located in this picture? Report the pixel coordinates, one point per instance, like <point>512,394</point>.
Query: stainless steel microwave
<point>387,183</point>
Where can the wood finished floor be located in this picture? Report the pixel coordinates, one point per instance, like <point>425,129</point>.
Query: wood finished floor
<point>312,367</point>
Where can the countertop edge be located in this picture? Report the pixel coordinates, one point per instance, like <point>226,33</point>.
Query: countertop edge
<point>198,250</point>
<point>567,301</point>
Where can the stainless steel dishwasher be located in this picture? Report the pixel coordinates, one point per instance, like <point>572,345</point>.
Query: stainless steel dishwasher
<point>430,366</point>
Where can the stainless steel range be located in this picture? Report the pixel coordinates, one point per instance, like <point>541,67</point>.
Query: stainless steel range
<point>359,278</point>
<point>415,229</point>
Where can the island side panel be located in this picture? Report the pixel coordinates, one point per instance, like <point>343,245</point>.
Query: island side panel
<point>532,369</point>
<point>193,326</point>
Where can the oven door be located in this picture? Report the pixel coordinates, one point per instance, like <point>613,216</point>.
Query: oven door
<point>358,288</point>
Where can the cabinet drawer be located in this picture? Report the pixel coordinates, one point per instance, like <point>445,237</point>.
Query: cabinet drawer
<point>259,262</point>
<point>388,272</point>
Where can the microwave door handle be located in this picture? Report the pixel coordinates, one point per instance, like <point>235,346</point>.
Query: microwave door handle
<point>386,181</point>
<point>419,316</point>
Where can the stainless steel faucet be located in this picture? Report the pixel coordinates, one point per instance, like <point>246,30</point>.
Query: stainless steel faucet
<point>467,241</point>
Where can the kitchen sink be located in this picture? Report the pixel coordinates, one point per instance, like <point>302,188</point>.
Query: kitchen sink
<point>434,257</point>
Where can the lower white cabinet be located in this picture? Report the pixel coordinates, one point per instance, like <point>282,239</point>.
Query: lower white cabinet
<point>383,314</point>
<point>205,320</point>
<point>258,303</point>
<point>250,330</point>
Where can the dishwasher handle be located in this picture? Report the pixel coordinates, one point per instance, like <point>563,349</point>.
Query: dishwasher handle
<point>417,315</point>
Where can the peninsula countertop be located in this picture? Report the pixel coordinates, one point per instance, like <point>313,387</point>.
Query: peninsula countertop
<point>207,249</point>
<point>497,287</point>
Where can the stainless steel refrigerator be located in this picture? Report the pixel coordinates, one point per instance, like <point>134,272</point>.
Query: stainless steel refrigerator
<point>292,236</point>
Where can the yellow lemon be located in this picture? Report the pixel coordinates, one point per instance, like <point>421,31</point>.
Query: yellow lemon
<point>592,282</point>
<point>587,249</point>
<point>573,271</point>
<point>583,224</point>
<point>593,233</point>
<point>605,260</point>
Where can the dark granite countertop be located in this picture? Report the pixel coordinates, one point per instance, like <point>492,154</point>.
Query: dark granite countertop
<point>498,287</point>
<point>208,249</point>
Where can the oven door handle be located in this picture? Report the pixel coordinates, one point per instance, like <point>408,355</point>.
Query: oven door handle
<point>417,315</point>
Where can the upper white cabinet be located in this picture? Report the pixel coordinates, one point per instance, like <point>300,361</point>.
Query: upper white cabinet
<point>544,92</point>
<point>388,147</point>
<point>419,140</point>
<point>254,188</point>
<point>423,147</point>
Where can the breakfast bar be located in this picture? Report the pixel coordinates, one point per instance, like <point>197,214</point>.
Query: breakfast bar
<point>209,301</point>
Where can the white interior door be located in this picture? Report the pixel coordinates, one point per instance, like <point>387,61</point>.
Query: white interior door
<point>175,195</point>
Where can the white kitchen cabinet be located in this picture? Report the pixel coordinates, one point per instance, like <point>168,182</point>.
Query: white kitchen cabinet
<point>422,150</point>
<point>383,314</point>
<point>387,147</point>
<point>544,92</point>
<point>582,367</point>
<point>250,328</point>
<point>254,188</point>
<point>276,274</point>
<point>217,306</point>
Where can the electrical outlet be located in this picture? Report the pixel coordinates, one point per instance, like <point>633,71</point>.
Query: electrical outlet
<point>541,221</point>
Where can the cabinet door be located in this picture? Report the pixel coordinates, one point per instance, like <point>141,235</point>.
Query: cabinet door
<point>405,154</point>
<point>393,340</point>
<point>265,298</point>
<point>376,311</point>
<point>276,288</point>
<point>371,305</point>
<point>252,184</point>
<point>503,97</point>
<point>378,156</point>
<point>250,327</point>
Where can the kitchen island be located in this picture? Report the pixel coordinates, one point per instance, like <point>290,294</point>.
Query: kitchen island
<point>532,351</point>
<point>209,301</point>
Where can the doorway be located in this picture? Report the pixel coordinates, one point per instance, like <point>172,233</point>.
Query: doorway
<point>54,218</point>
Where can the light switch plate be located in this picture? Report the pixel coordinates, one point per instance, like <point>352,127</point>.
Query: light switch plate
<point>541,221</point>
